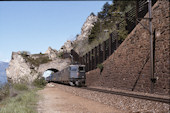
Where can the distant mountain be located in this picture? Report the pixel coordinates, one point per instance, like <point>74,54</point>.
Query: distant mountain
<point>3,66</point>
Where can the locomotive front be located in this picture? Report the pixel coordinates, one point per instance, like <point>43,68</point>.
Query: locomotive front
<point>77,75</point>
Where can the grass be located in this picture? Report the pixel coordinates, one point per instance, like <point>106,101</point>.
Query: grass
<point>23,103</point>
<point>20,87</point>
<point>21,98</point>
<point>4,92</point>
<point>39,82</point>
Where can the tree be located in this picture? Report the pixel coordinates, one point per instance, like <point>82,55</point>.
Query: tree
<point>92,14</point>
<point>94,32</point>
<point>103,14</point>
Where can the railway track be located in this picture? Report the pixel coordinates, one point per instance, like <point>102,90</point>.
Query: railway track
<point>145,97</point>
<point>124,100</point>
<point>151,98</point>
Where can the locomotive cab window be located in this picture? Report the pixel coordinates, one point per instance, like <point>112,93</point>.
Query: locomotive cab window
<point>82,69</point>
<point>73,68</point>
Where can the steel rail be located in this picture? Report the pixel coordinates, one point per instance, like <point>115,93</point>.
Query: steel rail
<point>151,98</point>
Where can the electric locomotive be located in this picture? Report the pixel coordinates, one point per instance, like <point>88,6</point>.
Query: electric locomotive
<point>73,75</point>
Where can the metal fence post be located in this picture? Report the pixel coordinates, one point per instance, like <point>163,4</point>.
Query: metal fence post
<point>110,45</point>
<point>100,56</point>
<point>92,59</point>
<point>95,59</point>
<point>86,63</point>
<point>104,50</point>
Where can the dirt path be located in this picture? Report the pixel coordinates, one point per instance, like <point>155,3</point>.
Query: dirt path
<point>54,100</point>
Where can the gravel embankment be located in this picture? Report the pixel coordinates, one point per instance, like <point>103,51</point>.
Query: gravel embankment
<point>120,102</point>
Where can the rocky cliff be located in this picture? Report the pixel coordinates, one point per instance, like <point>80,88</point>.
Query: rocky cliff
<point>67,47</point>
<point>20,70</point>
<point>25,67</point>
<point>81,39</point>
<point>52,53</point>
<point>87,26</point>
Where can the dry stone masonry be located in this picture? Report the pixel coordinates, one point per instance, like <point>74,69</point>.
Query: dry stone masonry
<point>132,59</point>
<point>58,64</point>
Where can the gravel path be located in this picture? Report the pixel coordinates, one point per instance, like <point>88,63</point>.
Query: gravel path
<point>55,100</point>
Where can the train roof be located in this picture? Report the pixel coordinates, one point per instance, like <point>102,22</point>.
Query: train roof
<point>77,65</point>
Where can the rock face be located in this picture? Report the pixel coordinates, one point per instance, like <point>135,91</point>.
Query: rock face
<point>19,70</point>
<point>67,47</point>
<point>87,26</point>
<point>129,66</point>
<point>52,53</point>
<point>82,39</point>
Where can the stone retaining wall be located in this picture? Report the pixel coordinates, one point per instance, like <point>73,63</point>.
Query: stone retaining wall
<point>127,63</point>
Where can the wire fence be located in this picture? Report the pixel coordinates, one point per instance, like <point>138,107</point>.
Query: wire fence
<point>102,51</point>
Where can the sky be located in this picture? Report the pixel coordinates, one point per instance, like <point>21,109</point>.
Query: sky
<point>35,25</point>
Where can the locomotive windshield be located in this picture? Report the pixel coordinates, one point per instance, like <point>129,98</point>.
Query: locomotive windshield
<point>77,68</point>
<point>73,68</point>
<point>81,69</point>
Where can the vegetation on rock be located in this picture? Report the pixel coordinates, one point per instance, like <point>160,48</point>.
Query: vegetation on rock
<point>41,58</point>
<point>110,19</point>
<point>100,66</point>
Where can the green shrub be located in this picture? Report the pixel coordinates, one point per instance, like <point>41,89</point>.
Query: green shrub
<point>60,55</point>
<point>20,87</point>
<point>39,82</point>
<point>100,66</point>
<point>36,62</point>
